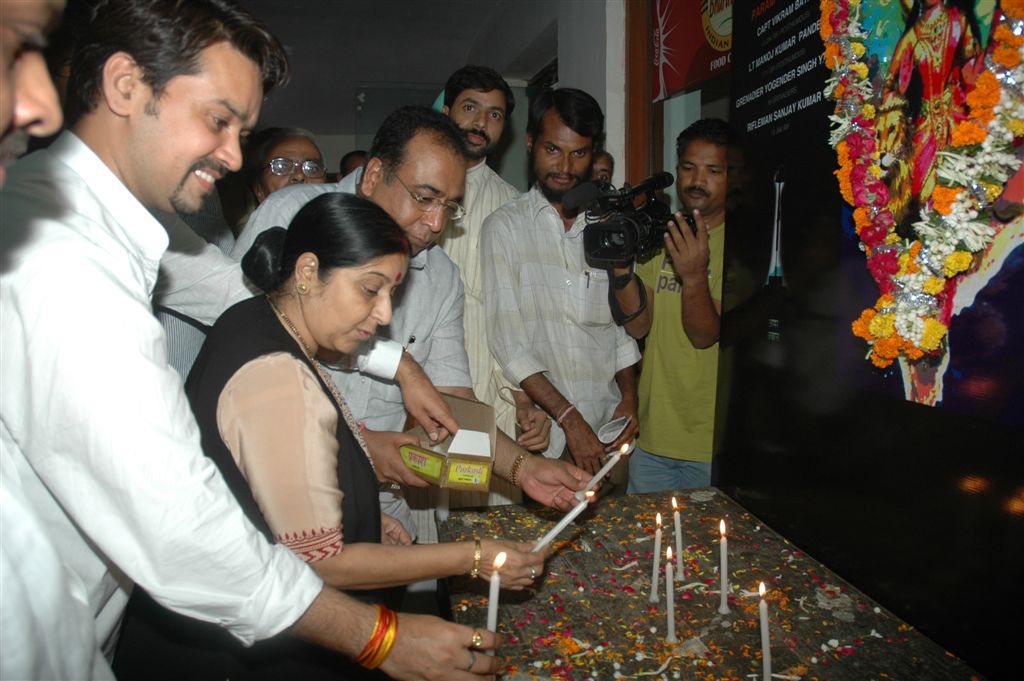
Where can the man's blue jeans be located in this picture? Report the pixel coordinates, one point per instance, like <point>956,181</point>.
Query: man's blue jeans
<point>652,473</point>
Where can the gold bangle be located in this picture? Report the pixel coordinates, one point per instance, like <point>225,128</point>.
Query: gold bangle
<point>387,642</point>
<point>514,471</point>
<point>478,553</point>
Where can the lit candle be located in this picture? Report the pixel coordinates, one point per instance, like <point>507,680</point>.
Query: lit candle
<point>657,561</point>
<point>723,605</point>
<point>569,517</point>
<point>680,572</point>
<point>612,460</point>
<point>492,602</point>
<point>766,647</point>
<point>671,596</point>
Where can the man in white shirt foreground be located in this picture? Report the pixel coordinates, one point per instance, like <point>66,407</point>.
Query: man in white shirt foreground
<point>46,628</point>
<point>95,425</point>
<point>548,321</point>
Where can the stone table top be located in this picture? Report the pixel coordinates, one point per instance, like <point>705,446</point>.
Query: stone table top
<point>589,616</point>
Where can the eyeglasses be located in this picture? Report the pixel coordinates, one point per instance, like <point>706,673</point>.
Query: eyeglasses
<point>285,166</point>
<point>430,204</point>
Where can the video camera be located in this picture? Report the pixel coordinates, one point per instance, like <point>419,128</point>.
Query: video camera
<point>618,230</point>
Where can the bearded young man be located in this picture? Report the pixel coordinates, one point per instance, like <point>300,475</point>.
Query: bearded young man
<point>548,321</point>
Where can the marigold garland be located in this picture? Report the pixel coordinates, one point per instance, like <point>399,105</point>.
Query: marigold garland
<point>917,277</point>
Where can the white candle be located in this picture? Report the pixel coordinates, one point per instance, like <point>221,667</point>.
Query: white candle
<point>766,646</point>
<point>569,517</point>
<point>723,605</point>
<point>680,571</point>
<point>612,460</point>
<point>671,596</point>
<point>657,562</point>
<point>492,602</point>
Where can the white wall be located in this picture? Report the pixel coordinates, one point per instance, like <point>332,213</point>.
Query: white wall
<point>679,112</point>
<point>526,36</point>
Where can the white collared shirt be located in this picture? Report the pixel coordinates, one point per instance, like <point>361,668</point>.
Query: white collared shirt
<point>96,423</point>
<point>547,310</point>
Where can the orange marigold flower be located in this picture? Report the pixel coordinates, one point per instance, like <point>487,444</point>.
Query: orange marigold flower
<point>943,198</point>
<point>880,362</point>
<point>967,133</point>
<point>1005,34</point>
<point>845,186</point>
<point>861,219</point>
<point>1006,56</point>
<point>862,327</point>
<point>983,116</point>
<point>833,57</point>
<point>1013,8</point>
<point>825,27</point>
<point>986,91</point>
<point>887,347</point>
<point>884,302</point>
<point>911,351</point>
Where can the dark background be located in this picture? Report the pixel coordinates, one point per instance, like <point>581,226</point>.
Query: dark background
<point>922,508</point>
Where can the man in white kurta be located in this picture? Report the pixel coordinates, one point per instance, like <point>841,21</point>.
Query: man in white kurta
<point>479,101</point>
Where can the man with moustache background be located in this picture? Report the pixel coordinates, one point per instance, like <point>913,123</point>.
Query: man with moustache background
<point>479,101</point>
<point>683,287</point>
<point>548,321</point>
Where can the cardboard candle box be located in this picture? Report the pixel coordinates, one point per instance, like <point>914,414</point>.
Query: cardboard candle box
<point>463,461</point>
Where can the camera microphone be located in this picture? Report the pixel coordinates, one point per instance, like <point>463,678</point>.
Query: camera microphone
<point>652,183</point>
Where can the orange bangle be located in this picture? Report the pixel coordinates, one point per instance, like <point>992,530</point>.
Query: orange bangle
<point>387,642</point>
<point>380,629</point>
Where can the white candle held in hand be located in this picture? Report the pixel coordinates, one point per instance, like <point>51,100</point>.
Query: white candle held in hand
<point>657,560</point>
<point>723,605</point>
<point>766,646</point>
<point>492,602</point>
<point>612,460</point>
<point>671,596</point>
<point>680,571</point>
<point>563,523</point>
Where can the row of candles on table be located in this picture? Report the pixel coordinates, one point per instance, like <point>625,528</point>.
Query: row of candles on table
<point>672,573</point>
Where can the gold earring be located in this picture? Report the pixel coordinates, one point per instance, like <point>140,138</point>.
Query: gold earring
<point>302,288</point>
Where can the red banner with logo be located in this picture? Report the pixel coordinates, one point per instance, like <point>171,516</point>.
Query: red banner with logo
<point>692,43</point>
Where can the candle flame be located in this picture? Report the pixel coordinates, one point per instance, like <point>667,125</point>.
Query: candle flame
<point>761,589</point>
<point>668,554</point>
<point>499,560</point>
<point>658,518</point>
<point>674,504</point>
<point>589,495</point>
<point>624,449</point>
<point>721,526</point>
